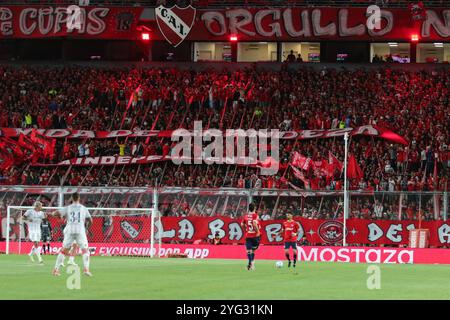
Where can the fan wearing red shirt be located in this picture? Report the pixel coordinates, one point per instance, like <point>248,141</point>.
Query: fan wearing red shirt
<point>290,229</point>
<point>250,223</point>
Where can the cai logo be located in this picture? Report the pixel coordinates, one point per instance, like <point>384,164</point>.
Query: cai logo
<point>331,231</point>
<point>131,230</point>
<point>175,23</point>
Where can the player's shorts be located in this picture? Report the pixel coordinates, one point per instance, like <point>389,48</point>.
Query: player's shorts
<point>292,245</point>
<point>46,237</point>
<point>252,243</point>
<point>35,236</point>
<point>79,238</point>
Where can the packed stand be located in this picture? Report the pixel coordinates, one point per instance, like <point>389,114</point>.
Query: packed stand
<point>413,104</point>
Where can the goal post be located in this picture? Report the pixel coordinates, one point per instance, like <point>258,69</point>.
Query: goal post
<point>110,227</point>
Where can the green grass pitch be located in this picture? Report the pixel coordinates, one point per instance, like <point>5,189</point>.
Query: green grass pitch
<point>144,278</point>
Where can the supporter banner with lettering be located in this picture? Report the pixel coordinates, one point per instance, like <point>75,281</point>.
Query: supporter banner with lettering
<point>105,161</point>
<point>288,24</point>
<point>177,191</point>
<point>316,232</point>
<point>367,130</point>
<point>126,160</point>
<point>57,21</point>
<point>249,24</point>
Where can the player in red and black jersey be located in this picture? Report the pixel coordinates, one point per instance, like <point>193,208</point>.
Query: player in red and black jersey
<point>250,223</point>
<point>290,229</point>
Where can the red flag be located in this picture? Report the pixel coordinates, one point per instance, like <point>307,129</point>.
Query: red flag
<point>335,161</point>
<point>268,163</point>
<point>134,93</point>
<point>333,164</point>
<point>320,168</point>
<point>300,161</point>
<point>45,143</point>
<point>34,152</point>
<point>6,161</point>
<point>391,136</point>
<point>13,149</point>
<point>353,169</point>
<point>368,152</point>
<point>191,99</point>
<point>300,175</point>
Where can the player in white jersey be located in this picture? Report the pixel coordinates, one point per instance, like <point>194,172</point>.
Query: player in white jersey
<point>33,218</point>
<point>76,215</point>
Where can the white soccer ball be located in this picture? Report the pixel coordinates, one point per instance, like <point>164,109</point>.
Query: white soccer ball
<point>279,264</point>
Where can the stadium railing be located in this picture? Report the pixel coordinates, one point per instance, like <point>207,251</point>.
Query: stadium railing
<point>233,202</point>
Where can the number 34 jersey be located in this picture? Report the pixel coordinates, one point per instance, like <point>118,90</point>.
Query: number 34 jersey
<point>75,215</point>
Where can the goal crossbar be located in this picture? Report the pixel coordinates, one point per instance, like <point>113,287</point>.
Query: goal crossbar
<point>149,211</point>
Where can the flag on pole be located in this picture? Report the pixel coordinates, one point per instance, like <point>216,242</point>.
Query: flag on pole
<point>33,150</point>
<point>45,143</point>
<point>436,195</point>
<point>300,161</point>
<point>6,161</point>
<point>12,148</point>
<point>333,164</point>
<point>353,169</point>
<point>301,176</point>
<point>268,163</point>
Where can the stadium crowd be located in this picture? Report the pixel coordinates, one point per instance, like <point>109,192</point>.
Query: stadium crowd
<point>413,104</point>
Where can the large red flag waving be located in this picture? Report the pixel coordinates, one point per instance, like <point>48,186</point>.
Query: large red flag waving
<point>35,151</point>
<point>5,160</point>
<point>300,161</point>
<point>45,143</point>
<point>333,165</point>
<point>353,169</point>
<point>12,148</point>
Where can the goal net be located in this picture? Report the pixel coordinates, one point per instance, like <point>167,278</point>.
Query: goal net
<point>113,232</point>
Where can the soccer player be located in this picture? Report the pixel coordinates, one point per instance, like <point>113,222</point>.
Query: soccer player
<point>290,229</point>
<point>33,218</point>
<point>76,214</point>
<point>251,225</point>
<point>46,230</point>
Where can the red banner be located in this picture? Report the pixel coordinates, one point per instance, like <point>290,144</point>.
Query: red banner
<point>56,21</point>
<point>367,130</point>
<point>106,161</point>
<point>316,232</point>
<point>248,24</point>
<point>300,24</point>
<point>305,253</point>
<point>178,191</point>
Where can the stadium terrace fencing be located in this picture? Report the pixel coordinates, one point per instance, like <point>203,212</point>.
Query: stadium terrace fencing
<point>233,202</point>
<point>233,3</point>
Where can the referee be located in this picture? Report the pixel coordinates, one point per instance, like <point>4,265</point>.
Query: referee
<point>46,231</point>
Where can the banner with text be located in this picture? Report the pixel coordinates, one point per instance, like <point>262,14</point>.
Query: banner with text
<point>305,253</point>
<point>316,232</point>
<point>367,130</point>
<point>248,24</point>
